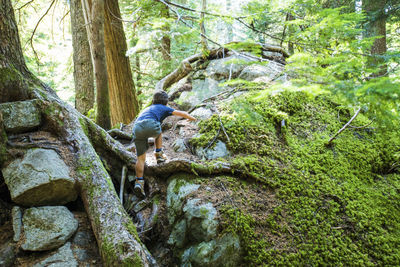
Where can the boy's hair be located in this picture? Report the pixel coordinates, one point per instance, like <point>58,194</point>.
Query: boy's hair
<point>160,97</point>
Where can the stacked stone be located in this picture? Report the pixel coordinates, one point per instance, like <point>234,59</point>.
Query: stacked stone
<point>39,183</point>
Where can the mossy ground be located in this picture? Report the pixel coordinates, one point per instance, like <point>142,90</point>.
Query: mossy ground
<point>338,204</point>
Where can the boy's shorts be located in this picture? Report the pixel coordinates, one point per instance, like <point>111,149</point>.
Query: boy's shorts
<point>142,130</point>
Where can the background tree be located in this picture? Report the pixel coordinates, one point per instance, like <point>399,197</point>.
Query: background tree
<point>94,13</point>
<point>375,26</point>
<point>83,67</point>
<point>123,101</point>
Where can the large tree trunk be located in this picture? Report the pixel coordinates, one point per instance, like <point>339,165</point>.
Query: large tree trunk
<point>115,233</point>
<point>202,27</point>
<point>94,12</point>
<point>123,101</point>
<point>165,42</point>
<point>83,67</point>
<point>376,26</point>
<point>11,59</point>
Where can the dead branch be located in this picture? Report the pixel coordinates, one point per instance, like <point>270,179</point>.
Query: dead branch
<point>121,189</point>
<point>344,127</point>
<point>361,127</point>
<point>185,67</point>
<point>119,134</point>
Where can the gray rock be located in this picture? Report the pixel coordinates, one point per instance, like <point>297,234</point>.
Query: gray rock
<point>177,237</point>
<point>179,145</point>
<point>224,251</point>
<point>16,214</point>
<point>7,254</point>
<point>218,151</point>
<point>178,189</point>
<point>47,227</point>
<point>272,54</point>
<point>81,254</point>
<point>201,220</point>
<point>176,86</point>
<point>83,239</point>
<point>225,68</point>
<point>21,116</point>
<point>62,258</point>
<point>40,178</point>
<point>140,205</point>
<point>262,73</point>
<point>201,89</point>
<point>202,113</point>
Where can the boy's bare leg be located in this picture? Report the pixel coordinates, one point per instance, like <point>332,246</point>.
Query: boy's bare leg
<point>159,141</point>
<point>139,167</point>
<point>160,156</point>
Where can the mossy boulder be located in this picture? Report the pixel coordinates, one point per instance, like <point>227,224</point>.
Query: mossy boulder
<point>40,178</point>
<point>47,227</point>
<point>179,187</point>
<point>222,251</point>
<point>335,204</point>
<point>20,116</point>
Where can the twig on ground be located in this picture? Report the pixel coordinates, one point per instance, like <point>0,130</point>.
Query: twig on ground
<point>222,125</point>
<point>360,127</point>
<point>213,140</point>
<point>344,127</point>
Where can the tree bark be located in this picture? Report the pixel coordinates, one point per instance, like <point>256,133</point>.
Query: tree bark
<point>11,60</point>
<point>123,100</point>
<point>83,67</point>
<point>95,13</point>
<point>115,232</point>
<point>376,26</point>
<point>165,42</point>
<point>202,27</point>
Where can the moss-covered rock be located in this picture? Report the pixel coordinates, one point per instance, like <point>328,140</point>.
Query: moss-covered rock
<point>337,204</point>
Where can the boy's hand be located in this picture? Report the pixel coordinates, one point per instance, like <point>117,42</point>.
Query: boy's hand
<point>183,114</point>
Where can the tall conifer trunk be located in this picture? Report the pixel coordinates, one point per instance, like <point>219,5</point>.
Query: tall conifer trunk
<point>94,12</point>
<point>83,67</point>
<point>123,100</point>
<point>376,26</point>
<point>11,59</point>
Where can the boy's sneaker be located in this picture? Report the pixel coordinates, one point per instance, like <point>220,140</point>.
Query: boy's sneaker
<point>160,157</point>
<point>139,188</point>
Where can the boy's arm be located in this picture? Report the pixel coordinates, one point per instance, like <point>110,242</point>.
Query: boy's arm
<point>183,114</point>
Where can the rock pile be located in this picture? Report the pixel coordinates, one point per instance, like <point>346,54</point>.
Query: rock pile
<point>39,182</point>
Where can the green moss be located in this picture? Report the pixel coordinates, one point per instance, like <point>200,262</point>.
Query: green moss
<point>132,230</point>
<point>109,253</point>
<point>9,76</point>
<point>84,126</point>
<point>339,204</point>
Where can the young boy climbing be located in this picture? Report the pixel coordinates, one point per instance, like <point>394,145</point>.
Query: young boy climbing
<point>148,124</point>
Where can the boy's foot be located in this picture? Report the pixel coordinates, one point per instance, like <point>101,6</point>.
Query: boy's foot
<point>139,188</point>
<point>160,157</point>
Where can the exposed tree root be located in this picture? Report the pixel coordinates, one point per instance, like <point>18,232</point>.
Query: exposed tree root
<point>115,232</point>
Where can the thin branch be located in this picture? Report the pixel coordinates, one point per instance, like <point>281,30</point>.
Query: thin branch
<point>24,5</point>
<point>166,2</point>
<point>360,127</point>
<point>37,25</point>
<point>123,178</point>
<point>344,127</point>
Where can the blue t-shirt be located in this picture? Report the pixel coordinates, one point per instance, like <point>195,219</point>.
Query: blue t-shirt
<point>157,112</point>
